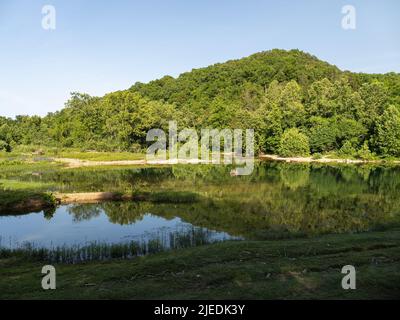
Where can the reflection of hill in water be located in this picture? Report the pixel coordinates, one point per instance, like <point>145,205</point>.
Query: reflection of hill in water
<point>278,198</point>
<point>84,212</point>
<point>118,212</point>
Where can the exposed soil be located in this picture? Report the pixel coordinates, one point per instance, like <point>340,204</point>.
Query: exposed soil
<point>322,160</point>
<point>76,163</point>
<point>90,197</point>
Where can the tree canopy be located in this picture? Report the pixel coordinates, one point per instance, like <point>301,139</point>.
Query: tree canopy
<point>272,92</point>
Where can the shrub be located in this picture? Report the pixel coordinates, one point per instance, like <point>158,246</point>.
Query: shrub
<point>323,134</point>
<point>294,143</point>
<point>364,153</point>
<point>4,146</point>
<point>317,156</point>
<point>387,139</point>
<point>347,149</point>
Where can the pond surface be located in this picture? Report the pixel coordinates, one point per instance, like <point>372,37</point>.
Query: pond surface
<point>278,200</point>
<point>84,224</point>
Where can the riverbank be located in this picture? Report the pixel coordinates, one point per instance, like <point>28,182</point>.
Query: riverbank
<point>14,202</point>
<point>78,163</point>
<point>77,159</point>
<point>96,197</point>
<point>32,195</point>
<point>323,159</point>
<point>284,269</point>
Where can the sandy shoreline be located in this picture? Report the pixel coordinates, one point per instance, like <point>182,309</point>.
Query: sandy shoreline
<point>322,160</point>
<point>90,197</point>
<point>77,163</point>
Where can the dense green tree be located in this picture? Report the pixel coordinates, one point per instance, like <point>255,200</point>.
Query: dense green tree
<point>294,143</point>
<point>347,149</point>
<point>321,99</point>
<point>375,98</point>
<point>220,113</point>
<point>274,130</point>
<point>293,112</point>
<point>272,116</point>
<point>4,146</point>
<point>251,95</point>
<point>247,119</point>
<point>387,139</point>
<point>323,134</point>
<point>349,130</point>
<point>269,92</point>
<point>364,152</point>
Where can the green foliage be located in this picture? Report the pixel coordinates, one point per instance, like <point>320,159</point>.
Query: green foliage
<point>269,92</point>
<point>347,149</point>
<point>200,86</point>
<point>375,98</point>
<point>388,133</point>
<point>364,153</point>
<point>294,143</point>
<point>320,97</point>
<point>322,134</point>
<point>317,156</point>
<point>4,146</point>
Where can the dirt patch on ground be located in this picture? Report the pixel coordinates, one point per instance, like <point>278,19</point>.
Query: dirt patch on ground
<point>322,160</point>
<point>76,163</point>
<point>90,197</point>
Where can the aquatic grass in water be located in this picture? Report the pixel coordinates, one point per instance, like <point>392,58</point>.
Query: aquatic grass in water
<point>99,251</point>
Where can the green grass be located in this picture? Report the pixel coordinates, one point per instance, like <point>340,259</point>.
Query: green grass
<point>7,155</point>
<point>18,197</point>
<point>8,185</point>
<point>101,156</point>
<point>8,198</point>
<point>18,167</point>
<point>23,201</point>
<point>284,269</point>
<point>30,152</point>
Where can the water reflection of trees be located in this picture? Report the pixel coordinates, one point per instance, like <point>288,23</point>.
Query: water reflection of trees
<point>277,214</point>
<point>102,179</point>
<point>278,198</point>
<point>295,177</point>
<point>124,212</point>
<point>84,212</point>
<point>118,212</point>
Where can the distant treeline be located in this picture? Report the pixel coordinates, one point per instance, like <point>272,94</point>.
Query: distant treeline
<point>296,103</point>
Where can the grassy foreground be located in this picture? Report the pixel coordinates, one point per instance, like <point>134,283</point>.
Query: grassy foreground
<point>283,269</point>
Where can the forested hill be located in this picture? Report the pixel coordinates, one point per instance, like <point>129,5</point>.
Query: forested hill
<point>296,103</point>
<point>230,78</point>
<point>233,78</point>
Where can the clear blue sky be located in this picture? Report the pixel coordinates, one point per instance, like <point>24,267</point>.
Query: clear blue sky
<point>102,46</point>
